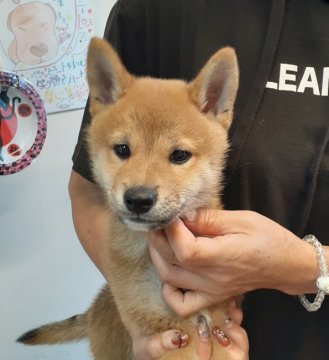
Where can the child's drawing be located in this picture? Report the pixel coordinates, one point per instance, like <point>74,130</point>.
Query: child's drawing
<point>34,27</point>
<point>79,46</point>
<point>14,1</point>
<point>46,41</point>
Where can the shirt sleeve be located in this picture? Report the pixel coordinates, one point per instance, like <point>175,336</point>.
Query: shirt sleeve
<point>123,35</point>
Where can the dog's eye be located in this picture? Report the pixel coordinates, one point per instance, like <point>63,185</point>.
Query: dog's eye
<point>180,156</point>
<point>122,151</point>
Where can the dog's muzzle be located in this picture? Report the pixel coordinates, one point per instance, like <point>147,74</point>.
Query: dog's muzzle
<point>139,200</point>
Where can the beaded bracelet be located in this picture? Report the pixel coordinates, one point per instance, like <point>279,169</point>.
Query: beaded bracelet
<point>322,281</point>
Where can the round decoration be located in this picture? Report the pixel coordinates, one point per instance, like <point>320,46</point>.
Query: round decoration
<point>23,123</point>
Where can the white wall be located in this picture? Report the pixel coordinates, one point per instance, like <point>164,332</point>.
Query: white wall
<point>44,273</point>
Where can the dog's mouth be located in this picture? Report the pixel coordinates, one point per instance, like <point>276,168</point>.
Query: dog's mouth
<point>142,224</point>
<point>147,222</point>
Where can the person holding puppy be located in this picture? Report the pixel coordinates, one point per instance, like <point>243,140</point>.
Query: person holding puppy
<point>277,178</point>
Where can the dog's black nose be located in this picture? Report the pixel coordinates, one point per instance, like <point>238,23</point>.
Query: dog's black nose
<point>140,200</point>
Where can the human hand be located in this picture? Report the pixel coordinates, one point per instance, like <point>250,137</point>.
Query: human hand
<point>233,339</point>
<point>236,252</point>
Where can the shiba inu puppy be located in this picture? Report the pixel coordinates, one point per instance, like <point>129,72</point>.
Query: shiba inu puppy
<point>157,148</point>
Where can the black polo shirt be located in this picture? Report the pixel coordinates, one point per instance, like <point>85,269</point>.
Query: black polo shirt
<point>279,158</point>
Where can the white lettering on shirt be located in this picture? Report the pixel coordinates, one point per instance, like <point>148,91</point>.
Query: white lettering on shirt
<point>309,80</point>
<point>286,76</point>
<point>325,81</point>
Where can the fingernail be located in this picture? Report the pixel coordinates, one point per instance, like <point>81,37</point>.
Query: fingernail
<point>203,328</point>
<point>228,322</point>
<point>180,339</point>
<point>221,337</point>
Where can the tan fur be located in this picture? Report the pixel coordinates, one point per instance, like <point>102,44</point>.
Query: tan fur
<point>154,117</point>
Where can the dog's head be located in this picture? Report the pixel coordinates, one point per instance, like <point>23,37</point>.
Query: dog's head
<point>158,147</point>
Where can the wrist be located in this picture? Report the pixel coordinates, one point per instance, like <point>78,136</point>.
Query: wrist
<point>302,270</point>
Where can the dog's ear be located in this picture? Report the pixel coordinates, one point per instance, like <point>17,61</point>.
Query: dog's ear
<point>107,77</point>
<point>215,87</point>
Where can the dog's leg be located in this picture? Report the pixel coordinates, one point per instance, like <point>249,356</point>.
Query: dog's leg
<point>108,338</point>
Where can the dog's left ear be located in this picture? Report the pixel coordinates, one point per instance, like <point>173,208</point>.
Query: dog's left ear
<point>215,87</point>
<point>107,77</point>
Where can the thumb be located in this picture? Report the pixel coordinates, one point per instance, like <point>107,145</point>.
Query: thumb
<point>208,222</point>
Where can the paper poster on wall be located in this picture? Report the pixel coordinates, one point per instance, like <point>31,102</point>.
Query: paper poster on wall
<point>46,42</point>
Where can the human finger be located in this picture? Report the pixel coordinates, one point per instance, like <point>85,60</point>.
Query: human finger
<point>232,336</point>
<point>204,344</point>
<point>184,303</point>
<point>237,335</point>
<point>189,249</point>
<point>157,345</point>
<point>235,313</point>
<point>158,240</point>
<point>174,275</point>
<point>210,222</point>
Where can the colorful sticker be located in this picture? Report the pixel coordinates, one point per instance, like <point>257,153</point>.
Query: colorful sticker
<point>23,123</point>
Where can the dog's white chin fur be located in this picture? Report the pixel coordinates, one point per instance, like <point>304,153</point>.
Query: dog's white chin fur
<point>139,226</point>
<point>136,226</point>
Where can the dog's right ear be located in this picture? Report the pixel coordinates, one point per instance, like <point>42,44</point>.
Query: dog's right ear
<point>107,77</point>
